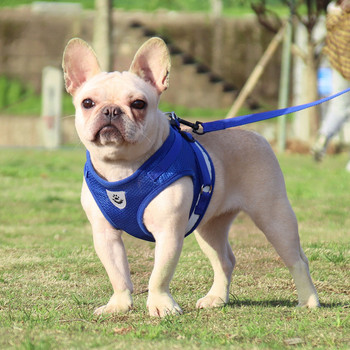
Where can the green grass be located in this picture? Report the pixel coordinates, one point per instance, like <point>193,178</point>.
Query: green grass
<point>51,279</point>
<point>148,5</point>
<point>230,7</point>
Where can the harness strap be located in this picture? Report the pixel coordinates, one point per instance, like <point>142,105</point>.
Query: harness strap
<point>207,179</point>
<point>168,159</point>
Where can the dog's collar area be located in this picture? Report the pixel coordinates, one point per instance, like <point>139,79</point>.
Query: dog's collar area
<point>123,202</point>
<point>175,121</point>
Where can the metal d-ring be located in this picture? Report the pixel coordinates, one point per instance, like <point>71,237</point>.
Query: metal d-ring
<point>206,186</point>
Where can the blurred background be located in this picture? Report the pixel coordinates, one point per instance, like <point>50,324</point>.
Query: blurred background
<point>217,46</point>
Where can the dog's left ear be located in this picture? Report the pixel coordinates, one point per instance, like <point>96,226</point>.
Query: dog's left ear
<point>152,63</point>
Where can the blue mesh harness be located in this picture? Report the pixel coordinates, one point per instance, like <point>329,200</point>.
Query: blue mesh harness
<point>123,202</point>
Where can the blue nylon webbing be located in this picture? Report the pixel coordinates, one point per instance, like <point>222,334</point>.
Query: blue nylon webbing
<point>169,158</point>
<point>252,118</point>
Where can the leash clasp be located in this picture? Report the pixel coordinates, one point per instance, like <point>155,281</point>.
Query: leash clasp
<point>197,127</point>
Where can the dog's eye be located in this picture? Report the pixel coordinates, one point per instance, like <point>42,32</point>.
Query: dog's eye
<point>138,104</point>
<point>88,103</point>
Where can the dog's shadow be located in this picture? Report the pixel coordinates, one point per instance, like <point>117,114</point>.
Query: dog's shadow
<point>236,303</point>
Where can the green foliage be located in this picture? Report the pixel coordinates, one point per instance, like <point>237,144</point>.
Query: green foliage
<point>16,98</point>
<point>11,91</point>
<point>151,5</point>
<point>230,7</point>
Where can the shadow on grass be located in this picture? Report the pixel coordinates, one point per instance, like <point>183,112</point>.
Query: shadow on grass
<point>265,303</point>
<point>278,303</point>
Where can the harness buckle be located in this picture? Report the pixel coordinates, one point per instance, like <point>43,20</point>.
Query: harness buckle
<point>209,187</point>
<point>174,120</point>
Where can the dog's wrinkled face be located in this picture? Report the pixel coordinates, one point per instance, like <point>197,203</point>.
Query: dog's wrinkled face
<point>115,110</point>
<point>111,109</point>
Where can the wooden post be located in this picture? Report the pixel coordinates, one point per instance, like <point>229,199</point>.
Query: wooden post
<point>305,122</point>
<point>102,38</point>
<point>51,111</point>
<point>216,14</point>
<point>284,85</point>
<point>256,74</point>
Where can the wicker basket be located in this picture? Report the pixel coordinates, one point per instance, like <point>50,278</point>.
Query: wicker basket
<point>338,42</point>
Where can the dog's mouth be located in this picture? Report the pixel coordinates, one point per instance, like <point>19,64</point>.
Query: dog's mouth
<point>109,134</point>
<point>116,132</point>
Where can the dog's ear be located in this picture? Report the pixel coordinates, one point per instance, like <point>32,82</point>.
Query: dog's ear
<point>152,63</point>
<point>79,64</point>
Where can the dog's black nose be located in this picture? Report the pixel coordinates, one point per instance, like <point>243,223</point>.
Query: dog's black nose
<point>112,111</point>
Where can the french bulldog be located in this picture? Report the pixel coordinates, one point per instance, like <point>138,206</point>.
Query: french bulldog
<point>118,121</point>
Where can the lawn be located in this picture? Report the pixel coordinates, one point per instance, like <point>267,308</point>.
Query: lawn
<point>51,279</point>
<point>230,7</point>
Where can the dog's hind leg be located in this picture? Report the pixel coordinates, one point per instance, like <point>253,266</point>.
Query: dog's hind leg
<point>212,237</point>
<point>277,220</point>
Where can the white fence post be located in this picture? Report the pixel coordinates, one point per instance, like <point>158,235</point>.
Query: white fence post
<point>51,110</point>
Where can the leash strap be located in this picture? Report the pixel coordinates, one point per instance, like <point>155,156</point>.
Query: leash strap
<point>202,128</point>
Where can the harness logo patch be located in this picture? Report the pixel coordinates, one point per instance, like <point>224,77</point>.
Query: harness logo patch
<point>117,198</point>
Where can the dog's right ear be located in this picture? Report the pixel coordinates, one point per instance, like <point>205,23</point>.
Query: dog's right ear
<point>152,64</point>
<point>79,64</point>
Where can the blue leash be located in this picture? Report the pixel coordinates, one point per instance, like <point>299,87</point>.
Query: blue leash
<point>202,128</point>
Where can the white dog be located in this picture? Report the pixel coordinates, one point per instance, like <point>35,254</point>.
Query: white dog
<point>118,120</point>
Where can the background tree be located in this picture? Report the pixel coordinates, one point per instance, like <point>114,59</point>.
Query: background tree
<point>306,13</point>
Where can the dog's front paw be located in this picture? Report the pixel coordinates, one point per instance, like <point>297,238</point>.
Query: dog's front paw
<point>210,301</point>
<point>162,304</point>
<point>312,302</point>
<point>120,302</point>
